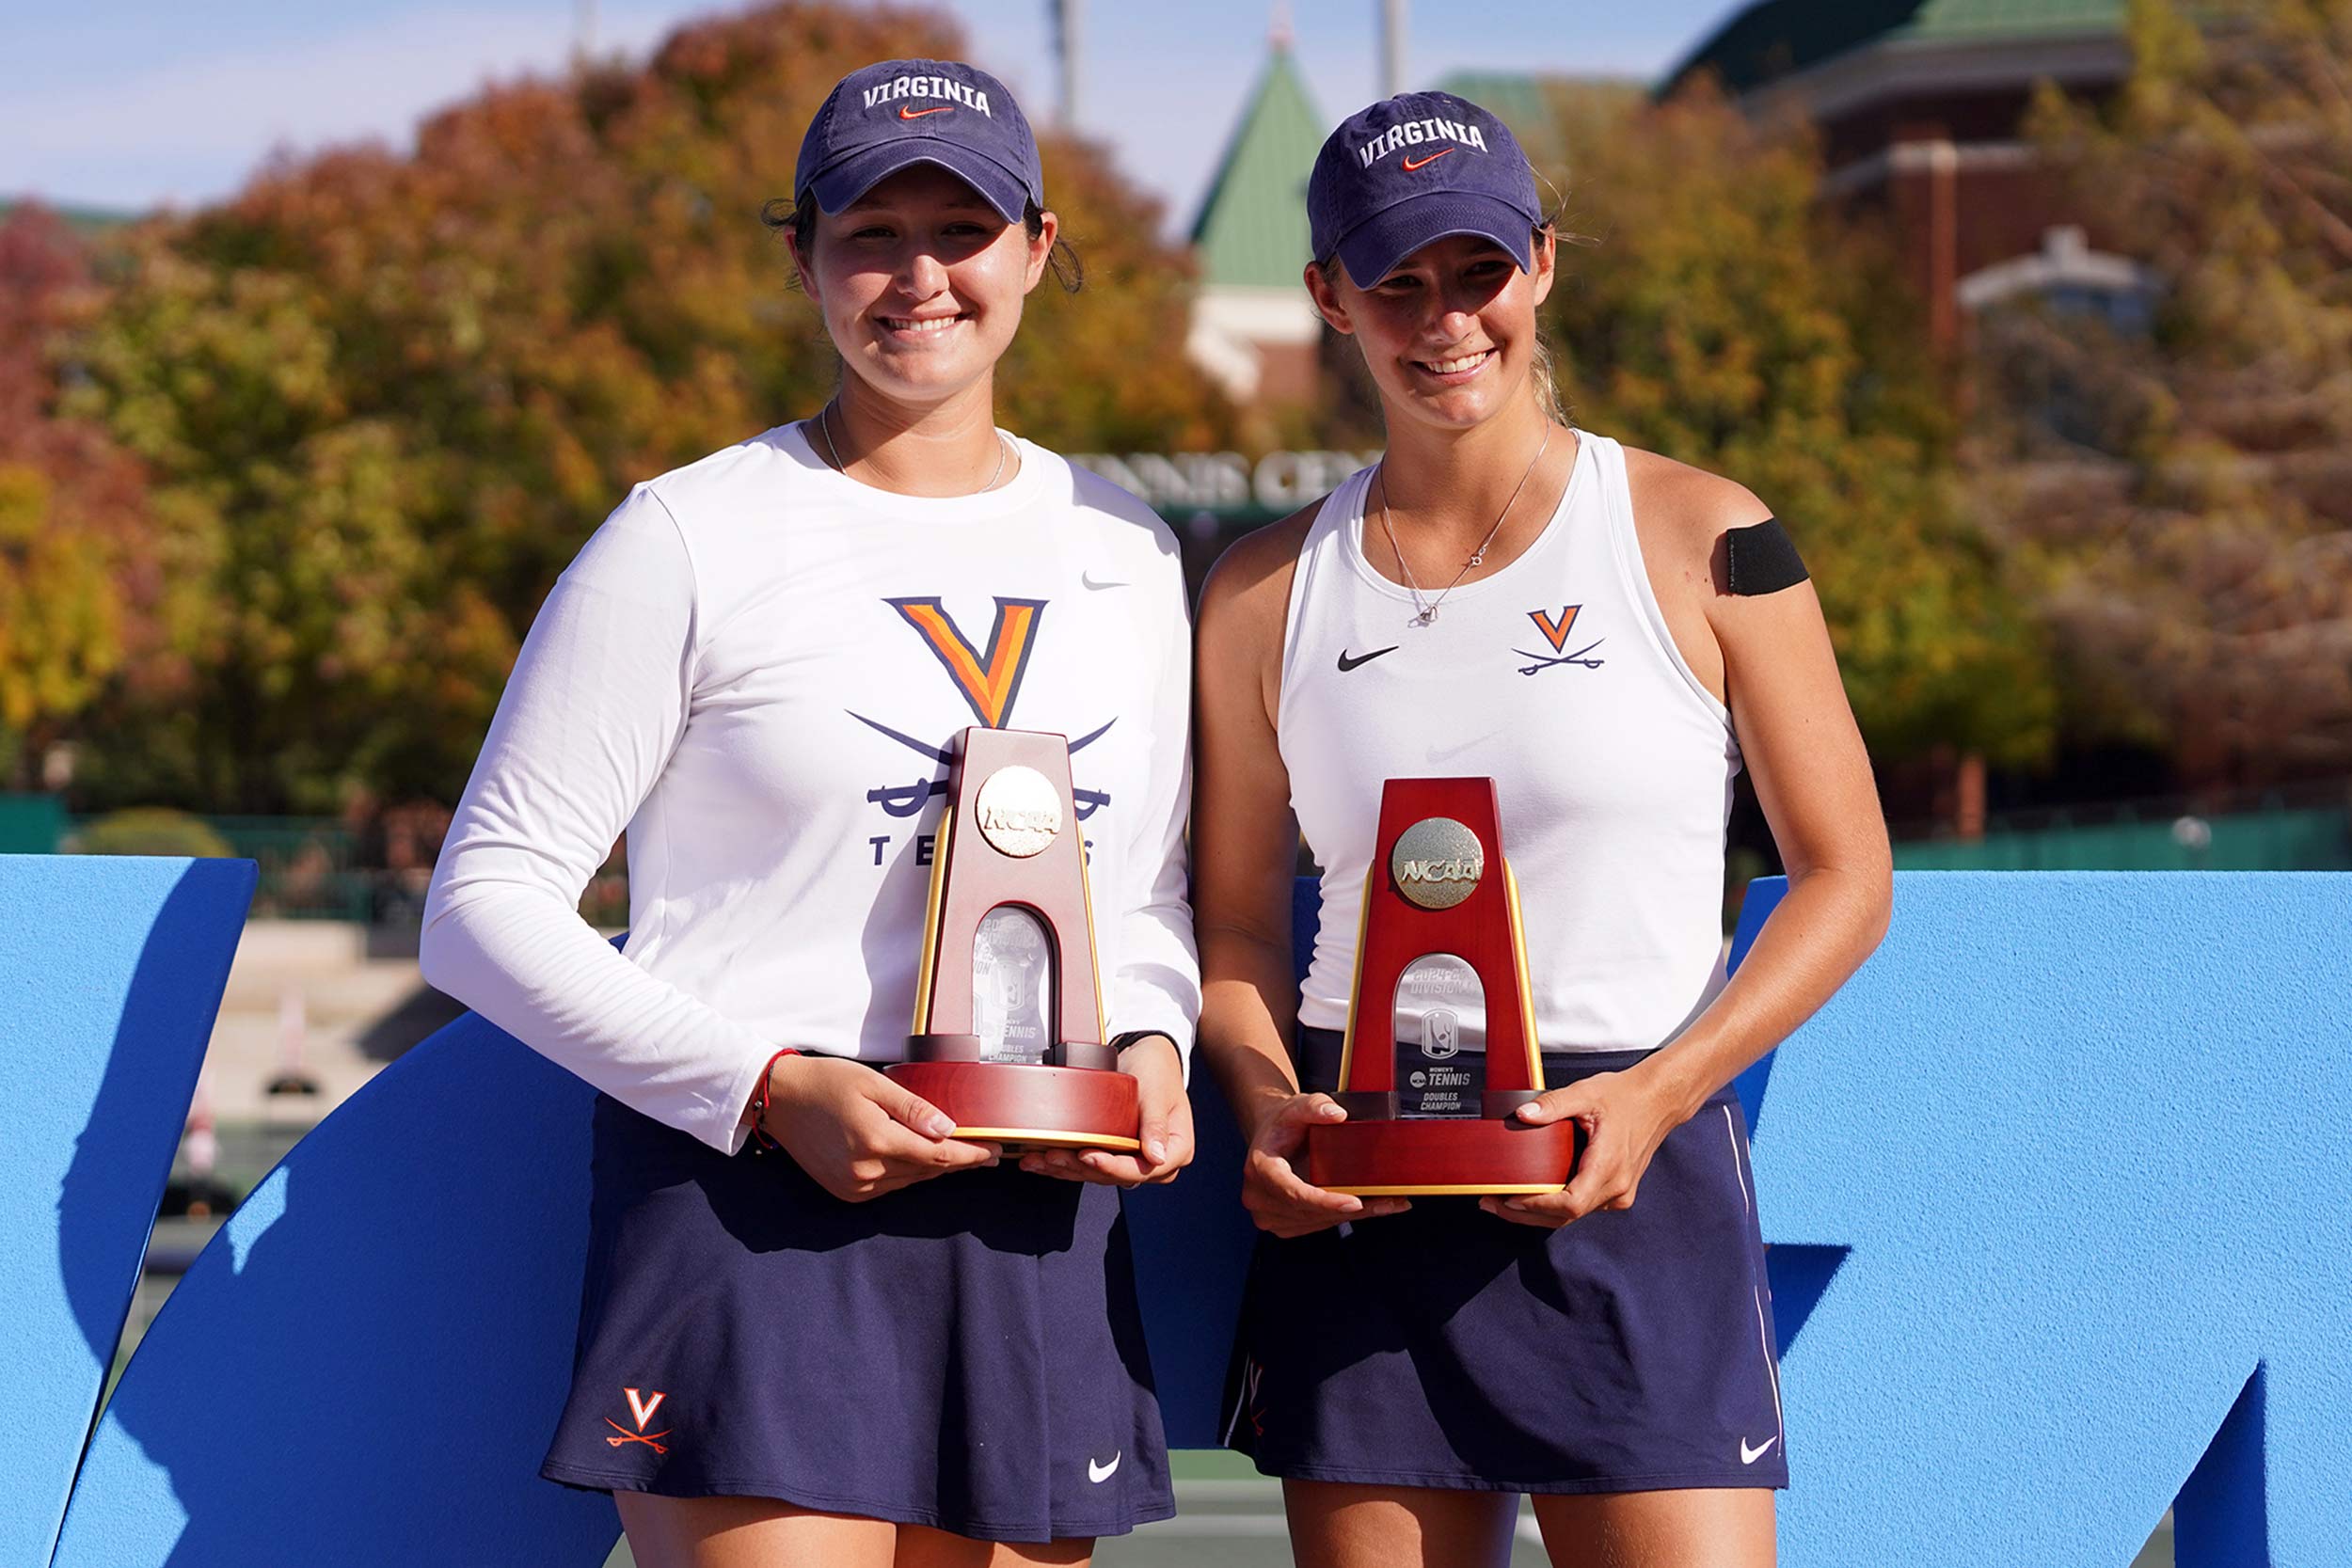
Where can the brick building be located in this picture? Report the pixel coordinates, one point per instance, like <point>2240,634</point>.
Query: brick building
<point>1920,104</point>
<point>1921,108</point>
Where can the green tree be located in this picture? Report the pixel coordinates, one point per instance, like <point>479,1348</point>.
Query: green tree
<point>2179,498</point>
<point>1720,313</point>
<point>319,644</point>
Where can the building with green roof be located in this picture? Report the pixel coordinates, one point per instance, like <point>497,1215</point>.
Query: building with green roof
<point>1252,228</point>
<point>1921,105</point>
<point>1524,100</point>
<point>1773,40</point>
<point>86,221</point>
<point>1252,328</point>
<point>1541,107</point>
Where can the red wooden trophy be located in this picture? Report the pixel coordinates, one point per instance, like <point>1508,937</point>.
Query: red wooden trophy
<point>1008,1036</point>
<point>1439,964</point>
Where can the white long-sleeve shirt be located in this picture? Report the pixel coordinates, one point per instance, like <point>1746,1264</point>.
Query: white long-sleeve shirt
<point>756,667</point>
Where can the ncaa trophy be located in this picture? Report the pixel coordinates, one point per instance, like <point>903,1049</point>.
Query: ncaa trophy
<point>1008,1039</point>
<point>1440,973</point>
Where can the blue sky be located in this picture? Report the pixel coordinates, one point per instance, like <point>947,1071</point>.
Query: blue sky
<point>138,102</point>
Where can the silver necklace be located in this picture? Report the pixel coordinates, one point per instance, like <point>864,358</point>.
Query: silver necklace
<point>1426,613</point>
<point>1004,449</point>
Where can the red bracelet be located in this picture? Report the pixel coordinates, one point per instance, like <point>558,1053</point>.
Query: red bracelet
<point>761,1142</point>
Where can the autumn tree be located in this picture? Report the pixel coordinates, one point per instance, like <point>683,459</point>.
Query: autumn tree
<point>75,583</point>
<point>385,398</point>
<point>2175,469</point>
<point>1716,311</point>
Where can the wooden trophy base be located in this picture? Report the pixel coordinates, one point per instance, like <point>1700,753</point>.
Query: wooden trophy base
<point>1024,1107</point>
<point>1441,1156</point>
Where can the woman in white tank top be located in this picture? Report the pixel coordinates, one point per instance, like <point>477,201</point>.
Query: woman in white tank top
<point>1506,595</point>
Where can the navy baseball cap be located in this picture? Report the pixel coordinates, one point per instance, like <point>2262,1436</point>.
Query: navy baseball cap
<point>1414,168</point>
<point>893,116</point>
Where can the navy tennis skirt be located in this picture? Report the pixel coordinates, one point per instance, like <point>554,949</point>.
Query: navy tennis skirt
<point>1630,1352</point>
<point>965,1354</point>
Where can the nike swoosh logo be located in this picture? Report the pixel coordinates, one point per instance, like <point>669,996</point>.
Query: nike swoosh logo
<point>1346,663</point>
<point>1409,165</point>
<point>905,113</point>
<point>1748,1455</point>
<point>1093,581</point>
<point>1447,753</point>
<point>1101,1473</point>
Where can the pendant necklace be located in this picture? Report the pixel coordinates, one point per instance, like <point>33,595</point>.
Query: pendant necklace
<point>1425,614</point>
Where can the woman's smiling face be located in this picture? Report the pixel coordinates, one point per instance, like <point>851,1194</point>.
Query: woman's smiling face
<point>1449,333</point>
<point>920,282</point>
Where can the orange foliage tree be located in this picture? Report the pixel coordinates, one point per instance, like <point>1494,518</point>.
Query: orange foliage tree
<point>385,398</point>
<point>76,576</point>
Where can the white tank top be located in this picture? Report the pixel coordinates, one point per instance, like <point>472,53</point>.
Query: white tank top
<point>1556,676</point>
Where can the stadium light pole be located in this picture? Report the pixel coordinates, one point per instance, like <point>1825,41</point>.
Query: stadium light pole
<point>1069,19</point>
<point>1391,47</point>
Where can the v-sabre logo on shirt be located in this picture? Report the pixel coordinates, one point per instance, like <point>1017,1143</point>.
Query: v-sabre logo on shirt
<point>927,87</point>
<point>1555,629</point>
<point>988,678</point>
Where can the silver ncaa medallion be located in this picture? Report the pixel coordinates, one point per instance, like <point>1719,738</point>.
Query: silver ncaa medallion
<point>1020,811</point>
<point>1436,862</point>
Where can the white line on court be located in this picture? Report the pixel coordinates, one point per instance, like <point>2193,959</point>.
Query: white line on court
<point>1257,1525</point>
<point>1268,1493</point>
<point>1229,1525</point>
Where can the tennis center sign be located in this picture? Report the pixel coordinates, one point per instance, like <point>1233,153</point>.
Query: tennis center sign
<point>1177,482</point>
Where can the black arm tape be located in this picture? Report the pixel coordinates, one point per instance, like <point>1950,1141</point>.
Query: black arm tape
<point>1762,558</point>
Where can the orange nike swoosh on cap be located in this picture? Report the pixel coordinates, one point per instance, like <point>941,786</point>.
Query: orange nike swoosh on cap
<point>905,113</point>
<point>1409,165</point>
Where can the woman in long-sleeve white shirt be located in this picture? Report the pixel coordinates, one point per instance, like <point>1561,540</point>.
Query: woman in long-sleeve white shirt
<point>754,668</point>
<point>876,1339</point>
